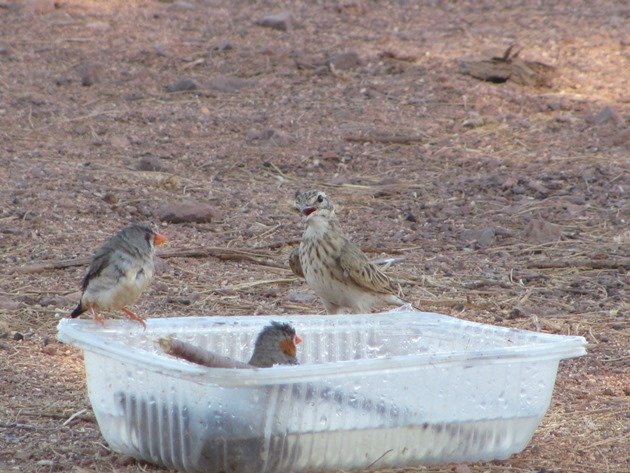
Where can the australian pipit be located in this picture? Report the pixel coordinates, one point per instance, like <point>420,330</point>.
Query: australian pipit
<point>335,268</point>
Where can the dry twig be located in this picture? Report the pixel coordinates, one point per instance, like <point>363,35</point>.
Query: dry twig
<point>219,253</point>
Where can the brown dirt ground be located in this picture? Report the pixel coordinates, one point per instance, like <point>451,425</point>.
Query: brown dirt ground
<point>544,171</point>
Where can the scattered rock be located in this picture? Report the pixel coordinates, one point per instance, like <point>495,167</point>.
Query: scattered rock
<point>517,313</point>
<point>161,50</point>
<point>55,301</point>
<point>17,336</point>
<point>344,61</point>
<point>182,85</point>
<point>171,183</point>
<point>483,237</point>
<point>605,115</point>
<point>49,350</point>
<point>4,346</point>
<point>322,71</point>
<point>4,51</point>
<point>186,212</point>
<point>538,187</point>
<point>486,237</point>
<point>626,389</point>
<point>152,164</point>
<point>224,45</point>
<point>474,120</point>
<point>23,455</point>
<point>4,334</point>
<point>539,232</point>
<point>279,21</point>
<point>61,81</point>
<point>179,300</point>
<point>162,266</point>
<point>229,84</point>
<point>300,297</point>
<point>608,392</point>
<point>409,216</point>
<point>554,105</point>
<point>620,139</point>
<point>119,141</point>
<point>160,287</point>
<point>267,137</point>
<point>352,7</point>
<point>111,198</point>
<point>461,468</point>
<point>618,326</point>
<point>181,5</point>
<point>89,74</point>
<point>39,7</point>
<point>9,304</point>
<point>80,130</point>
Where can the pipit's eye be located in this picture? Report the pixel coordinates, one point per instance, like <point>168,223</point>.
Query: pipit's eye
<point>320,198</point>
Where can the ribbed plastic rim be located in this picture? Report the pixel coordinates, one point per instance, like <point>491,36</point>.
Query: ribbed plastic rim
<point>550,348</point>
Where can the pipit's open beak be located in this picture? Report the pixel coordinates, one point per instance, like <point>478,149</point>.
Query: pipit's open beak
<point>308,210</point>
<point>158,239</point>
<point>298,339</point>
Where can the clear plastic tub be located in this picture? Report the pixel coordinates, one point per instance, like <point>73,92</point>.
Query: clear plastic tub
<point>380,390</point>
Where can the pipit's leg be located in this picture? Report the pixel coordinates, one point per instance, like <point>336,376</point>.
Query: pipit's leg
<point>98,318</point>
<point>332,309</point>
<point>135,317</point>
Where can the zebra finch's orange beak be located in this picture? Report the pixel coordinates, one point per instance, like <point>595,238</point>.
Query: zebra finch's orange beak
<point>158,239</point>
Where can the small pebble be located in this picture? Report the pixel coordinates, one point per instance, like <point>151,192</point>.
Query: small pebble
<point>280,21</point>
<point>18,336</point>
<point>344,61</point>
<point>182,85</point>
<point>49,350</point>
<point>410,217</point>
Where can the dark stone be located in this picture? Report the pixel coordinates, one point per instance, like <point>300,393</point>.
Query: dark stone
<point>187,212</point>
<point>483,237</point>
<point>182,85</point>
<point>409,216</point>
<point>280,21</point>
<point>267,137</point>
<point>344,61</point>
<point>605,115</point>
<point>152,163</point>
<point>229,84</point>
<point>89,74</point>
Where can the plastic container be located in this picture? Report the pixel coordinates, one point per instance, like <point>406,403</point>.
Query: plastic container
<point>380,390</point>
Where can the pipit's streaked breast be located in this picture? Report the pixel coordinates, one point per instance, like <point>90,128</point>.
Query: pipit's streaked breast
<point>334,267</point>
